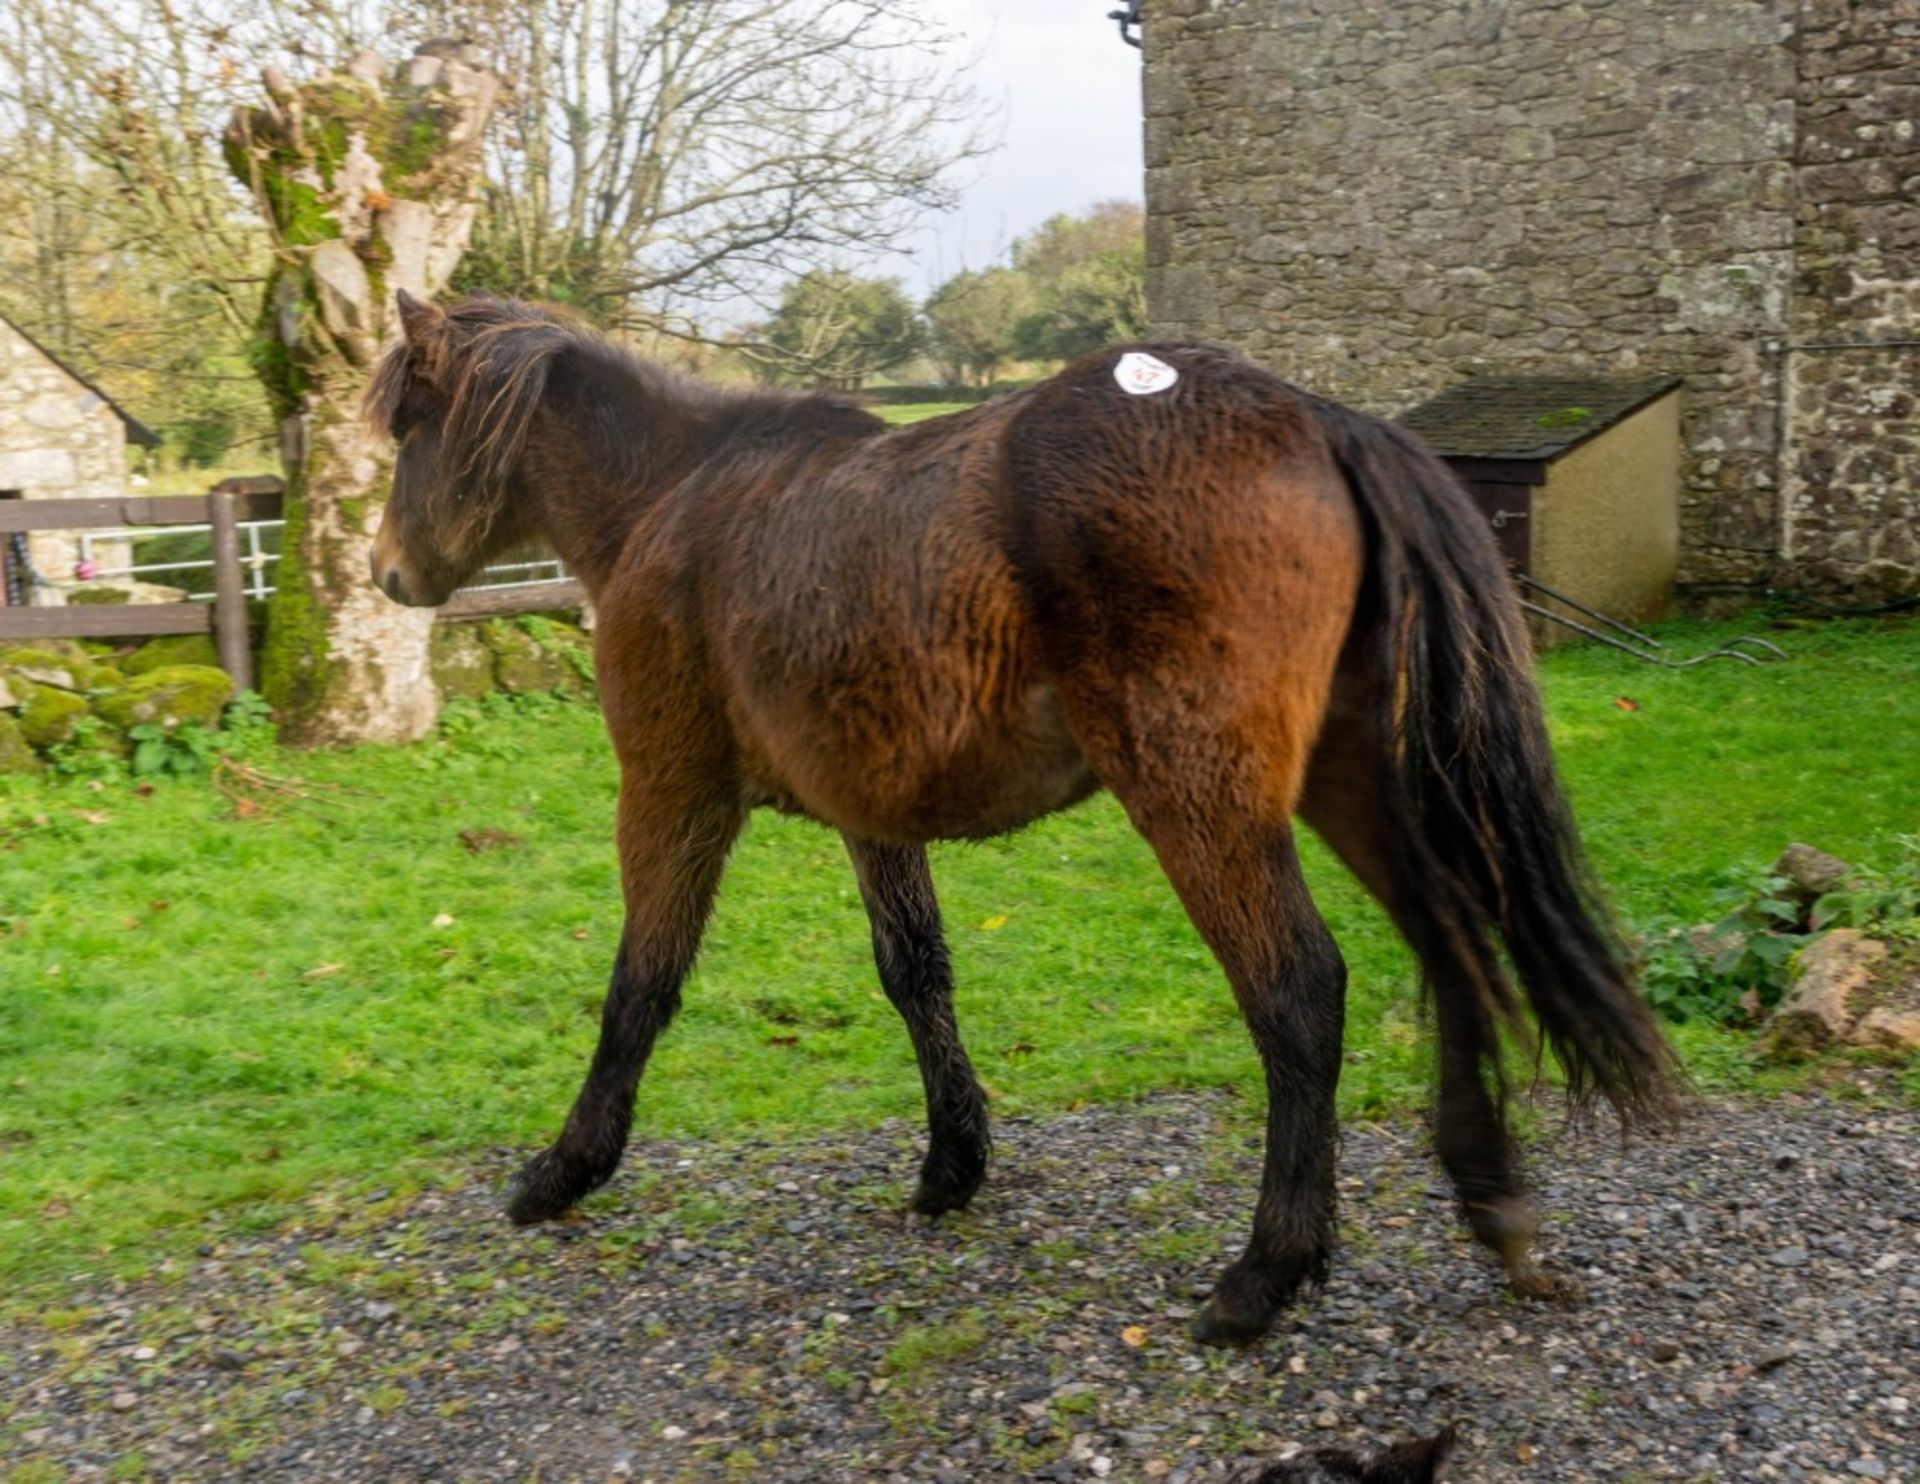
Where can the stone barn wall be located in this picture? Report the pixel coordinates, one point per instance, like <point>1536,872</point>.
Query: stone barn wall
<point>1379,198</point>
<point>59,439</point>
<point>1852,465</point>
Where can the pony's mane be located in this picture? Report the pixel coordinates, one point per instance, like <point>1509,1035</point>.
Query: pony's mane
<point>488,368</point>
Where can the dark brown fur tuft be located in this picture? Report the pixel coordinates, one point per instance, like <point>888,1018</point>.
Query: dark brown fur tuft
<point>1489,838</point>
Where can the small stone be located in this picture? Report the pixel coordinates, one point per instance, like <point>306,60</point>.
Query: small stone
<point>1868,1468</point>
<point>1785,1159</point>
<point>1788,1257</point>
<point>1327,1419</point>
<point>672,1433</point>
<point>124,1401</point>
<point>379,1311</point>
<point>1101,1465</point>
<point>145,1352</point>
<point>1772,1360</point>
<point>1664,1350</point>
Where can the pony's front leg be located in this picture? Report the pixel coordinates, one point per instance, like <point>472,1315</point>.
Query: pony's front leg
<point>673,847</point>
<point>896,883</point>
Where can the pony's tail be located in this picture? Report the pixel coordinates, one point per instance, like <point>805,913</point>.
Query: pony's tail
<point>1489,845</point>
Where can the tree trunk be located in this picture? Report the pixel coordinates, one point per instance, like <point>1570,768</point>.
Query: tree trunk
<point>368,183</point>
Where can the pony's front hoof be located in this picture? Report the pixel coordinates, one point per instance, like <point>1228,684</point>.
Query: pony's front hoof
<point>948,1183</point>
<point>541,1191</point>
<point>937,1200</point>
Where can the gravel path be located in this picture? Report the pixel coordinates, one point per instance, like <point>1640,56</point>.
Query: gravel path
<point>766,1312</point>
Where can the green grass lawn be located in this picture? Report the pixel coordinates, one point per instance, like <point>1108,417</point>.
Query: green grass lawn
<point>918,412</point>
<point>206,1014</point>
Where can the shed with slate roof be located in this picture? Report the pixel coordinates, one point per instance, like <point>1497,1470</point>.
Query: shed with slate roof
<point>1580,477</point>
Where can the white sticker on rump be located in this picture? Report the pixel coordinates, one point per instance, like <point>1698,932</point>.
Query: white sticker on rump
<point>1142,374</point>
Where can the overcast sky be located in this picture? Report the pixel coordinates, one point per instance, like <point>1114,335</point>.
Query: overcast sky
<point>1069,95</point>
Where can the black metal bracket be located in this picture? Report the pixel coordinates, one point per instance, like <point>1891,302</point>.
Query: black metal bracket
<point>1129,21</point>
<point>1641,646</point>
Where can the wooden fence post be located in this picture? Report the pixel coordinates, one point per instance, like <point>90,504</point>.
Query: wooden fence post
<point>229,592</point>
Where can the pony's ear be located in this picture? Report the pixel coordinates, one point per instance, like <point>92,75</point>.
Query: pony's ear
<point>1413,1463</point>
<point>422,323</point>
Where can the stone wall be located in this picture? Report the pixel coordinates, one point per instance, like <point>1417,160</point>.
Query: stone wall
<point>58,440</point>
<point>1381,197</point>
<point>1853,438</point>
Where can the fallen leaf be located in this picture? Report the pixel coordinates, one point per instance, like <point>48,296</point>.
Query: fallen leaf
<point>1523,1452</point>
<point>55,1209</point>
<point>94,816</point>
<point>1397,1221</point>
<point>321,971</point>
<point>245,808</point>
<point>994,923</point>
<point>783,1040</point>
<point>1020,1048</point>
<point>1626,703</point>
<point>579,935</point>
<point>443,919</point>
<point>1134,1335</point>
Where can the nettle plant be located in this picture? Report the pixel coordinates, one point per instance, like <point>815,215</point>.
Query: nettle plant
<point>1740,966</point>
<point>178,752</point>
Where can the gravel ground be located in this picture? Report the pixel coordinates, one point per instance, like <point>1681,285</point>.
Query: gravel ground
<point>765,1311</point>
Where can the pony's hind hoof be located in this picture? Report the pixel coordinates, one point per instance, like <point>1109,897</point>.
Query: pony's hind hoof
<point>1544,1286</point>
<point>1227,1326</point>
<point>537,1194</point>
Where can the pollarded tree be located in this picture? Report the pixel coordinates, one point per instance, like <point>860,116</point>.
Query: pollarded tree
<point>368,179</point>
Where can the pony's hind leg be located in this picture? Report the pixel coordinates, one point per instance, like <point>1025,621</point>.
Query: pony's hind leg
<point>673,847</point>
<point>1240,882</point>
<point>1342,803</point>
<point>896,884</point>
<point>1214,798</point>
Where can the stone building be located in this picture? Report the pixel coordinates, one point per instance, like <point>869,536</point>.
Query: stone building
<point>1379,198</point>
<point>61,437</point>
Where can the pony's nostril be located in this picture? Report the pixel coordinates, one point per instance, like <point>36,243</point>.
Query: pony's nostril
<point>392,586</point>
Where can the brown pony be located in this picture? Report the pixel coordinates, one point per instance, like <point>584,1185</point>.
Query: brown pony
<point>1223,599</point>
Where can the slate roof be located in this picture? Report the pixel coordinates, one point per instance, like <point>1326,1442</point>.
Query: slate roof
<point>137,431</point>
<point>1528,417</point>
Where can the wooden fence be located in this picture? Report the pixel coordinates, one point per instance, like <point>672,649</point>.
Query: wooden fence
<point>225,617</point>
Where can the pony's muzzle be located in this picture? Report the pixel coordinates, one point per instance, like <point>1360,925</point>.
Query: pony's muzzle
<point>391,578</point>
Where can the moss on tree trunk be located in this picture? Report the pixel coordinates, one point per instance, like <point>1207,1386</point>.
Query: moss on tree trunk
<point>368,179</point>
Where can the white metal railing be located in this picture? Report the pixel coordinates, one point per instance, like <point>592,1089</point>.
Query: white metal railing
<point>255,559</point>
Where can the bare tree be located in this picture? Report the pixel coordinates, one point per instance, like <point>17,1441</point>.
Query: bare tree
<point>664,159</point>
